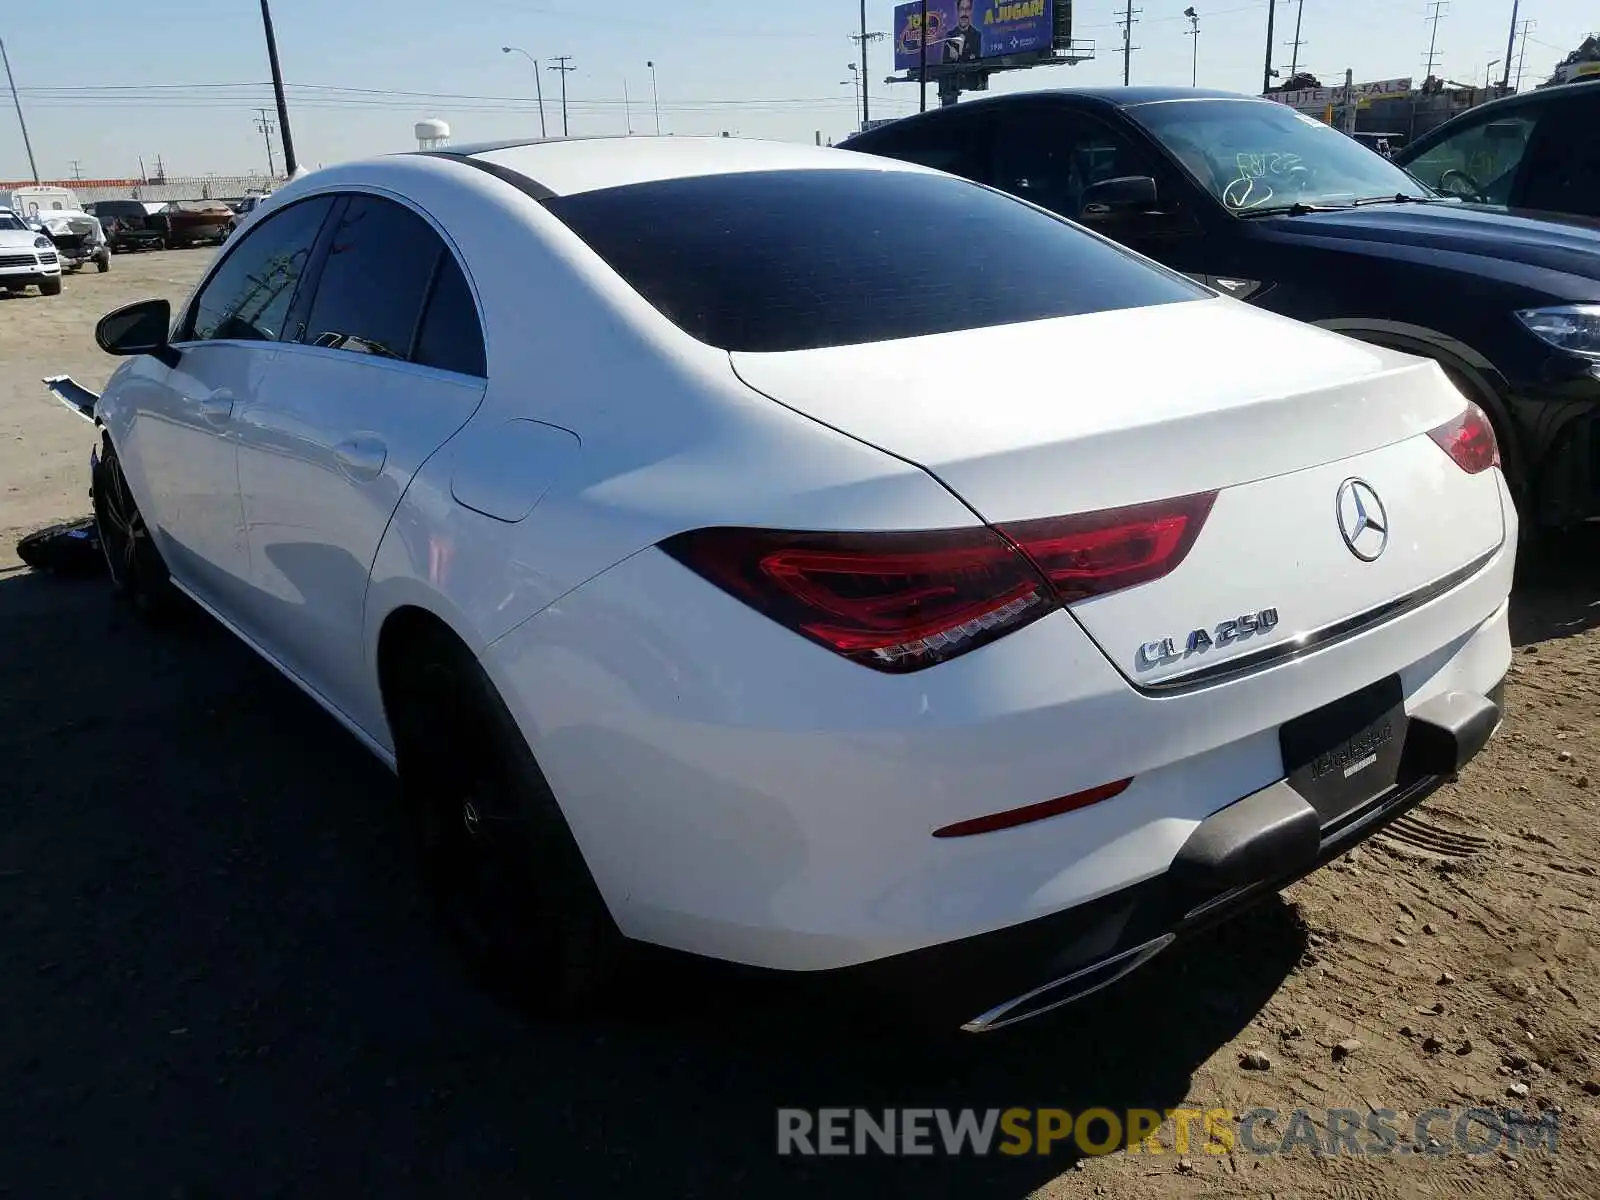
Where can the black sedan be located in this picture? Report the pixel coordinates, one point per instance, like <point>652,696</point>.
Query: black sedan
<point>1278,209</point>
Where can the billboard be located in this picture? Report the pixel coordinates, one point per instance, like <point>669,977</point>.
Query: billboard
<point>1316,99</point>
<point>962,31</point>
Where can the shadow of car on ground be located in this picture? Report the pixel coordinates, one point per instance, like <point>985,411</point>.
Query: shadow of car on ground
<point>219,979</point>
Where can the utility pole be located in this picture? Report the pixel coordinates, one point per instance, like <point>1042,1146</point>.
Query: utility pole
<point>563,64</point>
<point>277,90</point>
<point>1294,61</point>
<point>27,145</point>
<point>1266,71</point>
<point>864,37</point>
<point>1435,15</point>
<point>77,172</point>
<point>627,108</point>
<point>264,124</point>
<point>1129,12</point>
<point>922,53</point>
<point>161,170</point>
<point>1511,41</point>
<point>864,76</point>
<point>1194,58</point>
<point>1522,48</point>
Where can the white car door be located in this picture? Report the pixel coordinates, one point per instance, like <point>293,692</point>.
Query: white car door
<point>180,443</point>
<point>386,366</point>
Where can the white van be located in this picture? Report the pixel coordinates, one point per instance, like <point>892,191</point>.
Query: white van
<point>29,202</point>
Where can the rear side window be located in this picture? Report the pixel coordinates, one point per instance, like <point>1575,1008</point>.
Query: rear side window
<point>374,280</point>
<point>451,337</point>
<point>796,260</point>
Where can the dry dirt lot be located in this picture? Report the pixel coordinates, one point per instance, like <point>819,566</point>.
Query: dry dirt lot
<point>215,979</point>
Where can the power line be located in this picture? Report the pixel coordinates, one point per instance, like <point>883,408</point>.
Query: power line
<point>1436,14</point>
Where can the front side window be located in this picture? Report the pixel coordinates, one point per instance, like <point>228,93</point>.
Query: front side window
<point>249,295</point>
<point>1258,156</point>
<point>1479,162</point>
<point>795,260</point>
<point>369,296</point>
<point>1054,168</point>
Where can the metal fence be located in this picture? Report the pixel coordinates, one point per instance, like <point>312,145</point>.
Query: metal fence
<point>199,187</point>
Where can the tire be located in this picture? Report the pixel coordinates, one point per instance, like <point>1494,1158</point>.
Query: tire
<point>503,876</point>
<point>138,574</point>
<point>50,287</point>
<point>103,263</point>
<point>70,549</point>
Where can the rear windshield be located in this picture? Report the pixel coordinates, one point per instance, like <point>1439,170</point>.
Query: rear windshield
<point>795,260</point>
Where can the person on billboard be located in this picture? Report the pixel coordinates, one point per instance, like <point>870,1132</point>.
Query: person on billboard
<point>965,43</point>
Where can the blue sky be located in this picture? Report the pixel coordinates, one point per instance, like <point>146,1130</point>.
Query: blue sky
<point>183,79</point>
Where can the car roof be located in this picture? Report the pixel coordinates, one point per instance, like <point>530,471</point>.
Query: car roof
<point>569,166</point>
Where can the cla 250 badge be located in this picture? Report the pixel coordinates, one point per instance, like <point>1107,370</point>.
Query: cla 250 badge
<point>1167,649</point>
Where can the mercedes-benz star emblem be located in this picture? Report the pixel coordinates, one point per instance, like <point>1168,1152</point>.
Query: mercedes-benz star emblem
<point>1362,519</point>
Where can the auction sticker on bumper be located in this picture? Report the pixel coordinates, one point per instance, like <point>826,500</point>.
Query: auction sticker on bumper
<point>1345,753</point>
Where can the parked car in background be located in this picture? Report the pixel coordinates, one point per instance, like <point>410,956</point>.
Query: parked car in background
<point>79,239</point>
<point>27,258</point>
<point>1539,150</point>
<point>192,222</point>
<point>128,226</point>
<point>243,209</point>
<point>1280,210</point>
<point>800,614</point>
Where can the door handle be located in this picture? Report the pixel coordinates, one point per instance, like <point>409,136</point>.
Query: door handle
<point>361,458</point>
<point>217,407</point>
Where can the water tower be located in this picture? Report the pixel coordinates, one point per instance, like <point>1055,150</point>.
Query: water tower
<point>431,134</point>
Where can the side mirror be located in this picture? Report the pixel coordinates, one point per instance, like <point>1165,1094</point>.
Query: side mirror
<point>1119,197</point>
<point>140,328</point>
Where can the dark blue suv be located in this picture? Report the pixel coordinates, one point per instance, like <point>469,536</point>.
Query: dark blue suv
<point>1280,210</point>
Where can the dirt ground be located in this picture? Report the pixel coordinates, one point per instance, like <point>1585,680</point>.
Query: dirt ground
<point>216,981</point>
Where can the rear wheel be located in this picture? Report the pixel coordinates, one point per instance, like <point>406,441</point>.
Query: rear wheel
<point>502,872</point>
<point>137,570</point>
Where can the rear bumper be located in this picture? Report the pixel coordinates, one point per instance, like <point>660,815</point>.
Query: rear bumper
<point>1237,856</point>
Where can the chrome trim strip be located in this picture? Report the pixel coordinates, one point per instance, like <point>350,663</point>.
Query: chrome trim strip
<point>1129,960</point>
<point>1318,639</point>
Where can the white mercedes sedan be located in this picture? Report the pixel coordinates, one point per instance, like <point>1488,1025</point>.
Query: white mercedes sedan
<point>811,561</point>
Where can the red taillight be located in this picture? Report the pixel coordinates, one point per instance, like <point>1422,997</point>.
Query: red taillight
<point>903,601</point>
<point>1469,440</point>
<point>894,601</point>
<point>1090,554</point>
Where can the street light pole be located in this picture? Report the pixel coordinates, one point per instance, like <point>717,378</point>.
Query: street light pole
<point>1486,73</point>
<point>25,142</point>
<point>277,89</point>
<point>655,95</point>
<point>1266,71</point>
<point>538,88</point>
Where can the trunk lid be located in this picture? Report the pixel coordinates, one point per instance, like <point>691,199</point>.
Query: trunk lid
<point>1082,414</point>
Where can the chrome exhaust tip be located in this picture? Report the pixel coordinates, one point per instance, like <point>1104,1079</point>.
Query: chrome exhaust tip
<point>1080,983</point>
